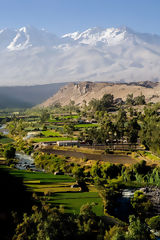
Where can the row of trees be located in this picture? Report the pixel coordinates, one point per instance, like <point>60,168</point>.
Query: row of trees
<point>108,103</point>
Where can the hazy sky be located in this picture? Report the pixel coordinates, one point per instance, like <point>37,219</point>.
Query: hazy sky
<point>63,16</point>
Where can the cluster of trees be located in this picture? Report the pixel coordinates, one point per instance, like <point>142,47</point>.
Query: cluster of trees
<point>150,129</point>
<point>8,151</point>
<point>112,130</point>
<point>128,124</point>
<point>137,230</point>
<point>52,223</point>
<point>50,162</point>
<point>106,102</point>
<point>133,101</point>
<point>139,173</point>
<point>23,146</point>
<point>141,205</point>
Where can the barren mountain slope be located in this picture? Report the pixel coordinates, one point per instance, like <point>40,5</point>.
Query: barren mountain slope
<point>85,91</point>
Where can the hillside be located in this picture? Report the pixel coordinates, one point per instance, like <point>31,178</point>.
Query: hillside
<point>85,91</point>
<point>28,96</point>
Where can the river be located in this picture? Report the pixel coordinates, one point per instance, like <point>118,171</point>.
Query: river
<point>4,130</point>
<point>123,209</point>
<point>24,161</point>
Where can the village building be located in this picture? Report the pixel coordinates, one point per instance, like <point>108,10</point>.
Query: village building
<point>67,143</point>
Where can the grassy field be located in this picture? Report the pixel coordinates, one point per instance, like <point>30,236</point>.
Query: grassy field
<point>50,133</point>
<point>72,202</point>
<point>70,117</point>
<point>54,120</point>
<point>59,188</point>
<point>50,139</point>
<point>87,125</point>
<point>63,118</point>
<point>41,176</point>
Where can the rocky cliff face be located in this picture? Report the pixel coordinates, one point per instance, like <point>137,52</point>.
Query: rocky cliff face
<point>85,91</point>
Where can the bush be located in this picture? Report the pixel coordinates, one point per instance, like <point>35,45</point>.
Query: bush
<point>9,152</point>
<point>154,223</point>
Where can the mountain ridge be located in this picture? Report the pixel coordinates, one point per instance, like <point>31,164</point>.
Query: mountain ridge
<point>86,91</point>
<point>26,96</point>
<point>30,56</point>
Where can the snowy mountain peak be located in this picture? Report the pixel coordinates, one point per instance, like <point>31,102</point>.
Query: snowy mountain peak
<point>26,37</point>
<point>2,30</point>
<point>21,41</point>
<point>31,56</point>
<point>23,29</point>
<point>94,36</point>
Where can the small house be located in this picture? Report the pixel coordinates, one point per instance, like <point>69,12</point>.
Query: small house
<point>68,143</point>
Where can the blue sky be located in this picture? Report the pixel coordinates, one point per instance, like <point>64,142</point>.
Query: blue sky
<point>63,16</point>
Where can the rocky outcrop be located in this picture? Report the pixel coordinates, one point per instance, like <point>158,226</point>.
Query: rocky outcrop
<point>153,194</point>
<point>83,92</point>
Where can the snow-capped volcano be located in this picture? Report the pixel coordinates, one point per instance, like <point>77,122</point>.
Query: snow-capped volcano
<point>111,36</point>
<point>31,56</point>
<point>26,37</point>
<point>92,36</point>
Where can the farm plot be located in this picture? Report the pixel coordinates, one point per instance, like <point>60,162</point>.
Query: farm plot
<point>72,201</point>
<point>62,118</point>
<point>50,133</point>
<point>44,182</point>
<point>86,125</point>
<point>59,187</point>
<point>51,139</point>
<point>112,158</point>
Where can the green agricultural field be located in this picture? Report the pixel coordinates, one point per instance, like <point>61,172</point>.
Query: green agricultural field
<point>45,177</point>
<point>36,128</point>
<point>73,201</point>
<point>59,187</point>
<point>70,116</point>
<point>42,177</point>
<point>51,139</point>
<point>50,133</point>
<point>60,119</point>
<point>44,182</point>
<point>87,125</point>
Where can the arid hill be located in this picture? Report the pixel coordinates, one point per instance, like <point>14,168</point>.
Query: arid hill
<point>85,91</point>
